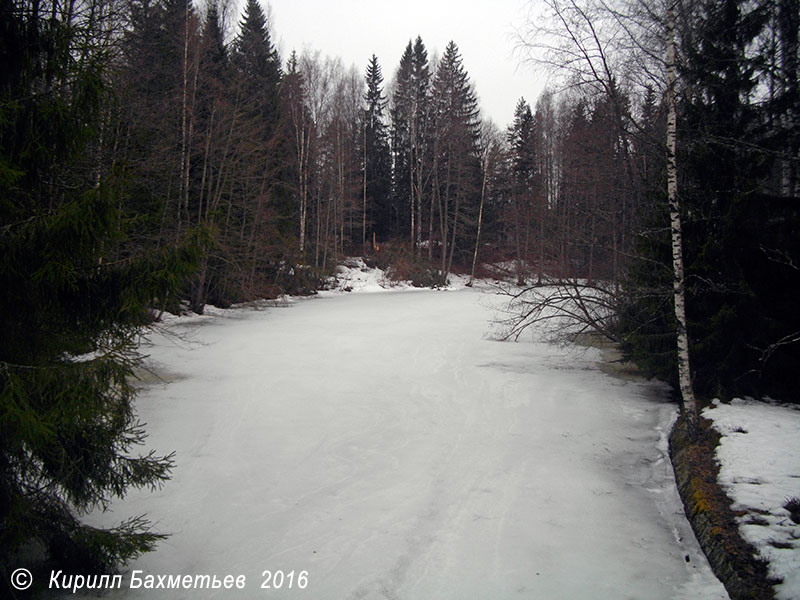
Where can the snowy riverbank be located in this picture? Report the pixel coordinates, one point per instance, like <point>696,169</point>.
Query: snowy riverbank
<point>759,458</point>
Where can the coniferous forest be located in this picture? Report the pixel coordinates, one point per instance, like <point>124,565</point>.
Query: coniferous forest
<point>160,155</point>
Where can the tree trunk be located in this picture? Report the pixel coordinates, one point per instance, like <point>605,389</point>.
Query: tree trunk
<point>684,367</point>
<point>480,222</point>
<point>184,170</point>
<point>412,198</point>
<point>364,207</point>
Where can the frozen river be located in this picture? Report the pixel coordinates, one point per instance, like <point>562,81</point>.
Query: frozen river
<point>384,446</point>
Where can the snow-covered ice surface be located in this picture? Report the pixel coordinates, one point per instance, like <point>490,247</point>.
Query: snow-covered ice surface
<point>759,458</point>
<point>385,444</point>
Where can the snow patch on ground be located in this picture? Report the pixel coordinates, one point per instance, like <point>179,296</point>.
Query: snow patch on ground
<point>759,457</point>
<point>354,275</point>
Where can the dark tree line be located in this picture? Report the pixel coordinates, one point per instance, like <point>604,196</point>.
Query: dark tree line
<point>78,280</point>
<point>609,233</point>
<point>737,91</point>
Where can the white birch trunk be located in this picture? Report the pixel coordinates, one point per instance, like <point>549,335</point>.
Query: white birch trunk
<point>480,217</point>
<point>411,190</point>
<point>364,206</point>
<point>182,194</point>
<point>684,365</point>
<point>301,147</point>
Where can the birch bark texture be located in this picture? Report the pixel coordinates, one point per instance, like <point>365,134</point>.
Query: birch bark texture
<point>689,404</point>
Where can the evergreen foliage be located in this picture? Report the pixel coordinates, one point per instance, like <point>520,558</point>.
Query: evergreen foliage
<point>732,223</point>
<point>522,157</point>
<point>400,138</point>
<point>76,293</point>
<point>377,158</point>
<point>456,152</point>
<point>521,142</point>
<point>739,253</point>
<point>456,106</point>
<point>409,137</point>
<point>258,65</point>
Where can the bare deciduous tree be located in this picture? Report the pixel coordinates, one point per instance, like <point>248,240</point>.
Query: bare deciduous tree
<point>590,42</point>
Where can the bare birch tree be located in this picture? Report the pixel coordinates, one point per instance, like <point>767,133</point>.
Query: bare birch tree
<point>590,42</point>
<point>491,143</point>
<point>676,231</point>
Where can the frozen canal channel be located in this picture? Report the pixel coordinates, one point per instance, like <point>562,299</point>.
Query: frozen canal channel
<point>385,447</point>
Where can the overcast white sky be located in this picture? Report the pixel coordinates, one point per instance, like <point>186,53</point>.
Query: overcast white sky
<point>355,29</point>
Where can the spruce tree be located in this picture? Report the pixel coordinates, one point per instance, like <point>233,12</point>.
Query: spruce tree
<point>297,127</point>
<point>421,78</point>
<point>214,115</point>
<point>729,305</point>
<point>214,53</point>
<point>421,146</point>
<point>258,65</point>
<point>75,295</point>
<point>265,179</point>
<point>520,138</point>
<point>410,143</point>
<point>457,156</point>
<point>401,113</point>
<point>738,249</point>
<point>376,158</point>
